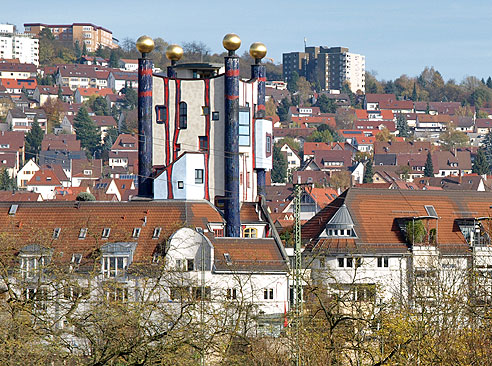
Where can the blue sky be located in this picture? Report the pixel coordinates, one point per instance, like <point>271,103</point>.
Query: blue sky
<point>397,37</point>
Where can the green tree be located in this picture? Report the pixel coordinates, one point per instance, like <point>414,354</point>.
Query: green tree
<point>84,50</point>
<point>368,172</point>
<point>487,146</point>
<point>6,182</point>
<point>283,109</point>
<point>114,58</point>
<point>279,171</point>
<point>415,96</point>
<point>87,132</point>
<point>291,142</point>
<point>85,196</point>
<point>325,104</point>
<point>110,138</point>
<point>480,164</point>
<point>453,138</point>
<point>292,83</point>
<point>415,232</point>
<point>429,167</point>
<point>100,106</point>
<point>402,125</point>
<point>321,136</point>
<point>34,138</point>
<point>60,92</point>
<point>131,98</point>
<point>489,82</point>
<point>78,51</point>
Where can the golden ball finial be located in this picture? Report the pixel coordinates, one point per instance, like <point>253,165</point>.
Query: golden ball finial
<point>231,42</point>
<point>174,52</point>
<point>257,50</point>
<point>145,44</point>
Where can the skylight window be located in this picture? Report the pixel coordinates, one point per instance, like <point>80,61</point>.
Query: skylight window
<point>431,211</point>
<point>56,232</point>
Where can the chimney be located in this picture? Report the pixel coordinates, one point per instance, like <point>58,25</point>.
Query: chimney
<point>145,184</point>
<point>231,43</point>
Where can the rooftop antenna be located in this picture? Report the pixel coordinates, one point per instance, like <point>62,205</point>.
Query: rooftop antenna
<point>305,43</point>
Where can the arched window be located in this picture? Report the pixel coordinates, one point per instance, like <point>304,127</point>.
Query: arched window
<point>183,115</point>
<point>250,232</point>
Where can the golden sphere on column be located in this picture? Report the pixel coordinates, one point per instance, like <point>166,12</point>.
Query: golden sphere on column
<point>145,44</point>
<point>257,50</point>
<point>174,52</point>
<point>231,42</point>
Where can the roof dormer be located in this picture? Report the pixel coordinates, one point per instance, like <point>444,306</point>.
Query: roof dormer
<point>340,225</point>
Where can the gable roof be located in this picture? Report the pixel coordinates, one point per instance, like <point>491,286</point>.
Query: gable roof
<point>247,255</point>
<point>35,222</point>
<point>44,177</point>
<point>377,225</point>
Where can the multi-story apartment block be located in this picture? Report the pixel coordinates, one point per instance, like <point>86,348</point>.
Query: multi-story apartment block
<point>21,46</point>
<point>331,67</point>
<point>89,34</point>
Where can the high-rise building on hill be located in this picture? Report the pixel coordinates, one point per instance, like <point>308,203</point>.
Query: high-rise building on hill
<point>19,46</point>
<point>89,34</point>
<point>328,66</point>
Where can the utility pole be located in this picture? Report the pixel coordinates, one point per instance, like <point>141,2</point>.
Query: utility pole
<point>297,273</point>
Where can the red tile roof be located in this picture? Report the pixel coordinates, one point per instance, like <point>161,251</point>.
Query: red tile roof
<point>35,222</point>
<point>29,84</point>
<point>44,177</point>
<point>376,224</point>
<point>87,92</point>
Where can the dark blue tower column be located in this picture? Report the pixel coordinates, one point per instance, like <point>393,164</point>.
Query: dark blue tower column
<point>145,183</point>
<point>231,146</point>
<point>258,71</point>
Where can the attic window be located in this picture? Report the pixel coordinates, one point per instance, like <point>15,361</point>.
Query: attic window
<point>105,232</point>
<point>13,209</point>
<point>136,232</point>
<point>83,233</point>
<point>157,233</point>
<point>228,259</point>
<point>431,211</point>
<point>56,232</point>
<point>76,258</point>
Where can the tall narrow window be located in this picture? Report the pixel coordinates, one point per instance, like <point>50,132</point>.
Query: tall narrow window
<point>203,143</point>
<point>198,176</point>
<point>161,114</point>
<point>183,115</point>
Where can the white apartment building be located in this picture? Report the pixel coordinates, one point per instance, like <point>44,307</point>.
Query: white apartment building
<point>19,46</point>
<point>354,71</point>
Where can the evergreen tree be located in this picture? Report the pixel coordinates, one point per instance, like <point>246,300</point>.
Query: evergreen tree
<point>114,59</point>
<point>100,51</point>
<point>487,147</point>
<point>292,84</point>
<point>415,96</point>
<point>84,50</point>
<point>100,107</point>
<point>325,104</point>
<point>87,132</point>
<point>368,173</point>
<point>480,164</point>
<point>131,98</point>
<point>283,109</point>
<point>34,138</point>
<point>6,182</point>
<point>429,167</point>
<point>489,82</point>
<point>78,51</point>
<point>402,125</point>
<point>60,92</point>
<point>279,171</point>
